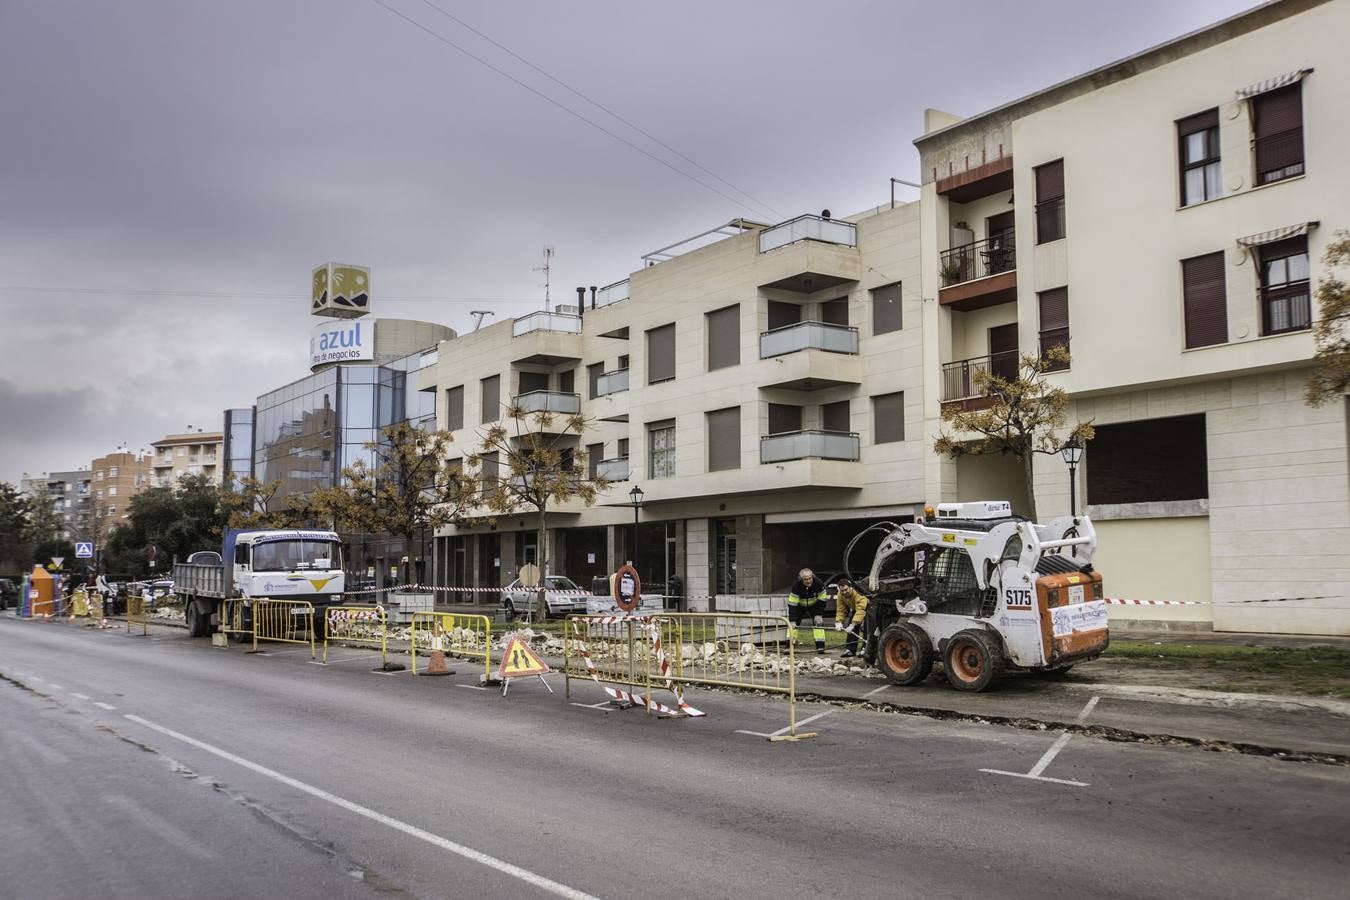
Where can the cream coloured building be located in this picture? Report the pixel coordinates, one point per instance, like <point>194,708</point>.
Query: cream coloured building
<point>1165,216</point>
<point>190,453</point>
<point>776,390</point>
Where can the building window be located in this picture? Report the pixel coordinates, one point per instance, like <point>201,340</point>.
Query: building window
<point>593,373</point>
<point>1050,202</point>
<point>491,399</point>
<point>99,475</point>
<point>112,471</point>
<point>490,470</point>
<point>724,439</point>
<point>661,450</point>
<point>1199,137</point>
<point>835,416</point>
<point>181,452</point>
<point>886,315</point>
<point>888,418</point>
<point>1286,301</point>
<point>784,418</point>
<point>567,381</point>
<point>661,354</point>
<point>454,408</point>
<point>1205,300</point>
<point>623,448</point>
<point>835,312</point>
<point>112,491</point>
<point>723,328</point>
<point>1054,306</point>
<point>1277,132</point>
<point>594,453</point>
<point>1124,465</point>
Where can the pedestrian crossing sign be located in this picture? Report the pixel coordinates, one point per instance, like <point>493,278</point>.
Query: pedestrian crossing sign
<point>519,661</point>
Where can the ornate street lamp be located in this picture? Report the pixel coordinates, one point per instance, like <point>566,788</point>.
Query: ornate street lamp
<point>1072,453</point>
<point>635,499</point>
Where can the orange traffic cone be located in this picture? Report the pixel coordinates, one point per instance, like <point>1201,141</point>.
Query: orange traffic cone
<point>436,665</point>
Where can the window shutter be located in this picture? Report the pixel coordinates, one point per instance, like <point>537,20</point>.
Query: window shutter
<point>1054,309</point>
<point>593,373</point>
<point>1198,122</point>
<point>567,381</point>
<point>1278,111</point>
<point>835,416</point>
<point>783,314</point>
<point>835,312</point>
<point>724,337</point>
<point>661,354</point>
<point>533,381</point>
<point>1205,300</point>
<point>784,418</point>
<point>888,418</point>
<point>454,408</point>
<point>1050,181</point>
<point>594,453</point>
<point>886,311</point>
<point>491,395</point>
<point>724,439</point>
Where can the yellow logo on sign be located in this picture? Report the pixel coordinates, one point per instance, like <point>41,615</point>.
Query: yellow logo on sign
<point>318,582</point>
<point>519,660</point>
<point>949,538</point>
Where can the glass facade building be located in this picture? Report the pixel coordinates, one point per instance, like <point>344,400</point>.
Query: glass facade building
<point>238,449</point>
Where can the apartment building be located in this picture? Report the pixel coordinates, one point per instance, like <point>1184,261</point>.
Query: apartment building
<point>70,495</point>
<point>764,391</point>
<point>1164,217</point>
<point>194,452</point>
<point>117,478</point>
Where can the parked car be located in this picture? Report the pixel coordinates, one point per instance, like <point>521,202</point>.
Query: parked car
<point>561,595</point>
<point>9,593</point>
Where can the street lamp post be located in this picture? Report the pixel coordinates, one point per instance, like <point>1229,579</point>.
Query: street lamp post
<point>1072,453</point>
<point>635,499</point>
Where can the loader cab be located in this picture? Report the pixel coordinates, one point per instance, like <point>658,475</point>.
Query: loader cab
<point>947,584</point>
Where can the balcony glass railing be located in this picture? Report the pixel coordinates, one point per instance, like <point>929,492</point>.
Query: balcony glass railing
<point>843,445</point>
<point>979,259</point>
<point>611,383</point>
<point>808,336</point>
<point>546,321</point>
<point>961,379</point>
<point>550,402</point>
<point>808,228</point>
<point>611,293</point>
<point>613,469</point>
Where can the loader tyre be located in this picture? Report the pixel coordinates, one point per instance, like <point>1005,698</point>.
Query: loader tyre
<point>904,654</point>
<point>972,661</point>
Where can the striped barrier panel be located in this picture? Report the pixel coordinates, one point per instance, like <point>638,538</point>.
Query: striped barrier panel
<point>455,634</point>
<point>365,625</point>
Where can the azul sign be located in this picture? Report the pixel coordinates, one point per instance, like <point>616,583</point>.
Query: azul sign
<point>341,341</point>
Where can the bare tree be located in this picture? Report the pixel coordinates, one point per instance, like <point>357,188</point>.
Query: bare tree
<point>1330,379</point>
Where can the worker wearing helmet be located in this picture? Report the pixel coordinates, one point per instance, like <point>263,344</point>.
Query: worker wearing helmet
<point>807,598</point>
<point>849,614</point>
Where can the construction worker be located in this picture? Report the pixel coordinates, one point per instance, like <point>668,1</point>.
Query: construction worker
<point>849,613</point>
<point>807,598</point>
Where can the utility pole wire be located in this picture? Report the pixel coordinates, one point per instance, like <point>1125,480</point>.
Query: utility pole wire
<point>598,105</point>
<point>538,93</point>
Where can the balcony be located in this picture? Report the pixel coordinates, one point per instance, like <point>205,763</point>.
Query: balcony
<point>808,336</point>
<point>556,402</point>
<point>981,273</point>
<point>613,469</point>
<point>546,339</point>
<point>611,383</point>
<point>808,254</point>
<point>611,294</point>
<point>984,180</point>
<point>961,380</point>
<point>840,445</point>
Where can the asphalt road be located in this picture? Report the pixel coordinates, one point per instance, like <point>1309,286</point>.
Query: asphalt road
<point>157,767</point>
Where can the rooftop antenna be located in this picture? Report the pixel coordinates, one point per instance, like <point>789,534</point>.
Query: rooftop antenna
<point>478,315</point>
<point>548,256</point>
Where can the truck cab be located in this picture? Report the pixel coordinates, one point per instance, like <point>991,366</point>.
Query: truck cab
<point>286,564</point>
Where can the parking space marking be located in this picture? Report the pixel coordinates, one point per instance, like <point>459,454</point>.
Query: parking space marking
<point>101,705</point>
<point>1087,710</point>
<point>1049,755</point>
<point>316,662</point>
<point>473,687</point>
<point>786,728</point>
<point>79,696</point>
<point>603,705</point>
<point>55,687</point>
<point>875,691</point>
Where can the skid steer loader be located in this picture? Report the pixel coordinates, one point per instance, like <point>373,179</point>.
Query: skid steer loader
<point>985,592</point>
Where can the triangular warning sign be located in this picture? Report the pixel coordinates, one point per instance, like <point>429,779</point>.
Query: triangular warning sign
<point>519,660</point>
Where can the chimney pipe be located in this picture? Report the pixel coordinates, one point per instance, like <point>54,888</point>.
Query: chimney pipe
<point>593,289</point>
<point>581,298</point>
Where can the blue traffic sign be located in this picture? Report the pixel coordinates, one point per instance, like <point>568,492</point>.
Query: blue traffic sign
<point>84,550</point>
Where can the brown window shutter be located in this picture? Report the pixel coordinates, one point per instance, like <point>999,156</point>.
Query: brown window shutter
<point>454,408</point>
<point>886,311</point>
<point>724,439</point>
<point>661,354</point>
<point>888,418</point>
<point>1050,181</point>
<point>783,314</point>
<point>594,453</point>
<point>491,397</point>
<point>1205,299</point>
<point>1198,122</point>
<point>1278,111</point>
<point>835,416</point>
<point>1054,308</point>
<point>593,373</point>
<point>784,418</point>
<point>567,381</point>
<point>835,312</point>
<point>724,337</point>
<point>533,381</point>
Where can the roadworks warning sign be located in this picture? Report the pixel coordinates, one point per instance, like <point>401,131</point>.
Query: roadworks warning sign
<point>519,661</point>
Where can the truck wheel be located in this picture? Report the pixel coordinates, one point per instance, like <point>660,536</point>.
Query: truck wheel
<point>973,660</point>
<point>197,623</point>
<point>905,654</point>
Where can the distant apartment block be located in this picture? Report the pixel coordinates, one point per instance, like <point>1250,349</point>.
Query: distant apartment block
<point>190,453</point>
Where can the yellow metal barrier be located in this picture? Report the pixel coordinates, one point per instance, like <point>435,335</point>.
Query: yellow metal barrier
<point>366,625</point>
<point>459,634</point>
<point>284,621</point>
<point>232,617</point>
<point>137,612</point>
<point>747,651</point>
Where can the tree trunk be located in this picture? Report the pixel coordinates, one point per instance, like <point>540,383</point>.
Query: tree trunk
<point>541,557</point>
<point>1029,473</point>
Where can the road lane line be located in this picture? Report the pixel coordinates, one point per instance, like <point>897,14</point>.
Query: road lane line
<point>101,705</point>
<point>1036,777</point>
<point>473,687</point>
<point>492,862</point>
<point>79,696</point>
<point>875,691</point>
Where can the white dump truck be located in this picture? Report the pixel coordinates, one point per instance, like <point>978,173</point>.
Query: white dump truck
<point>283,564</point>
<point>985,592</point>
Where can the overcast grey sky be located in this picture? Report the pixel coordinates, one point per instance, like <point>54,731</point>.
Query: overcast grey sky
<point>171,170</point>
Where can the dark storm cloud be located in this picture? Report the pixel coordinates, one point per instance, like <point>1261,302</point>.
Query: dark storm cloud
<point>227,147</point>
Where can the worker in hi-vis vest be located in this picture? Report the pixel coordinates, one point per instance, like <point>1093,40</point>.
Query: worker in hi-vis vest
<point>807,598</point>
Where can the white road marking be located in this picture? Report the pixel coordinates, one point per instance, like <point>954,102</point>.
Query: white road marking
<point>473,687</point>
<point>1049,755</point>
<point>603,704</point>
<point>506,868</point>
<point>1036,777</point>
<point>79,696</point>
<point>875,691</point>
<point>786,728</point>
<point>56,687</point>
<point>101,705</point>
<point>1087,710</point>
